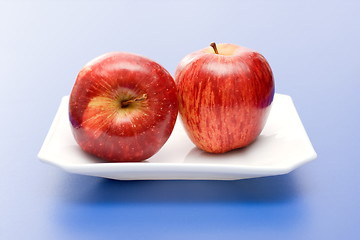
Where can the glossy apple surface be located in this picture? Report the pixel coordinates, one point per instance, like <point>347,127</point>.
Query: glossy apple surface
<point>224,97</point>
<point>123,107</point>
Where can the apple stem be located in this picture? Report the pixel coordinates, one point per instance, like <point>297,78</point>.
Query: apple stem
<point>213,45</point>
<point>137,99</point>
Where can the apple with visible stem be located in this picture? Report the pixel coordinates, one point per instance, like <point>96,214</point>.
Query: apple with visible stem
<point>225,93</point>
<point>123,107</point>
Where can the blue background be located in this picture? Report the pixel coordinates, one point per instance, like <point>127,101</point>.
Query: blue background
<point>313,48</point>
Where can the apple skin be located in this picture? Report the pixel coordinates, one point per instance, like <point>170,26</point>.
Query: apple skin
<point>225,98</point>
<point>123,107</point>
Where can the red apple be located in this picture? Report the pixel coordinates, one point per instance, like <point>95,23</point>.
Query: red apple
<point>225,92</point>
<point>123,107</point>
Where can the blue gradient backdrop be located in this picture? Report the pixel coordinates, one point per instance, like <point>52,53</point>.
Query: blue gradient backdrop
<point>313,48</point>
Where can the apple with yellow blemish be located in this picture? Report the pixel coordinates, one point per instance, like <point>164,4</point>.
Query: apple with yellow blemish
<point>123,107</point>
<point>225,93</point>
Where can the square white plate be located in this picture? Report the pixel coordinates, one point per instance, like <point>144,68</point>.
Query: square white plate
<point>282,146</point>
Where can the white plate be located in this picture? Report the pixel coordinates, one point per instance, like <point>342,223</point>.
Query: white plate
<point>282,146</point>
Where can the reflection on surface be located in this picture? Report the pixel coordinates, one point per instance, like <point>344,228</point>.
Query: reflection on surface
<point>261,190</point>
<point>96,207</point>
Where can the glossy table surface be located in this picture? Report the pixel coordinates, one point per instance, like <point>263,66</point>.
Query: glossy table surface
<point>313,49</point>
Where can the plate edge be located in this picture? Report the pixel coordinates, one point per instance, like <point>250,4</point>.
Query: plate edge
<point>42,152</point>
